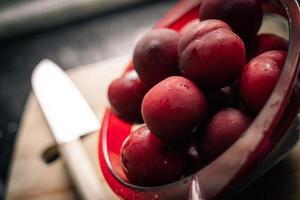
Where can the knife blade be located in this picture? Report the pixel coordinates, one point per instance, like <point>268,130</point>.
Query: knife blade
<point>69,117</point>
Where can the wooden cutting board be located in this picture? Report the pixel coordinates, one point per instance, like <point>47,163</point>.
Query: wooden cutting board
<point>32,178</point>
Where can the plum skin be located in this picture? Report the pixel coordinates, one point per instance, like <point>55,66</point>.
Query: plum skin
<point>214,60</point>
<point>197,30</point>
<point>155,55</point>
<point>259,79</point>
<point>224,128</point>
<point>267,42</point>
<point>172,108</point>
<point>148,162</point>
<point>125,95</point>
<point>243,16</point>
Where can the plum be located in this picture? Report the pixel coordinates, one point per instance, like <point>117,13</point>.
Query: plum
<point>197,30</point>
<point>155,55</point>
<point>214,60</point>
<point>172,108</point>
<point>224,128</point>
<point>259,79</point>
<point>148,162</point>
<point>267,42</point>
<point>125,95</point>
<point>243,16</point>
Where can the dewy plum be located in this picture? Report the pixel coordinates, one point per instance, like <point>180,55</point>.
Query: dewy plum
<point>224,128</point>
<point>155,55</point>
<point>243,16</point>
<point>197,30</point>
<point>125,95</point>
<point>259,79</point>
<point>172,108</point>
<point>267,42</point>
<point>214,60</point>
<point>148,162</point>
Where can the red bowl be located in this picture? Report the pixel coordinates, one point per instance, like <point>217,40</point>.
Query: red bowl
<point>269,137</point>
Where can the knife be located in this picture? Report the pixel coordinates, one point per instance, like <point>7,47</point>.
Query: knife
<point>69,117</point>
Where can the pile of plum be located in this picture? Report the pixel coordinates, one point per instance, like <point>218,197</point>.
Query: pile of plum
<point>196,90</point>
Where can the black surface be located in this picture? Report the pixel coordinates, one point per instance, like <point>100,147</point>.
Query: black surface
<point>91,40</point>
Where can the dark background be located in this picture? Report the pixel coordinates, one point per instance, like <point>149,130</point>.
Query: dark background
<point>93,39</point>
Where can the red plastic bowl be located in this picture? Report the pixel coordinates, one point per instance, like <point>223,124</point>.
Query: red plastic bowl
<point>269,137</point>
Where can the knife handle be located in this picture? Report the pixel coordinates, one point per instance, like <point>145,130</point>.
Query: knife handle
<point>81,170</point>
